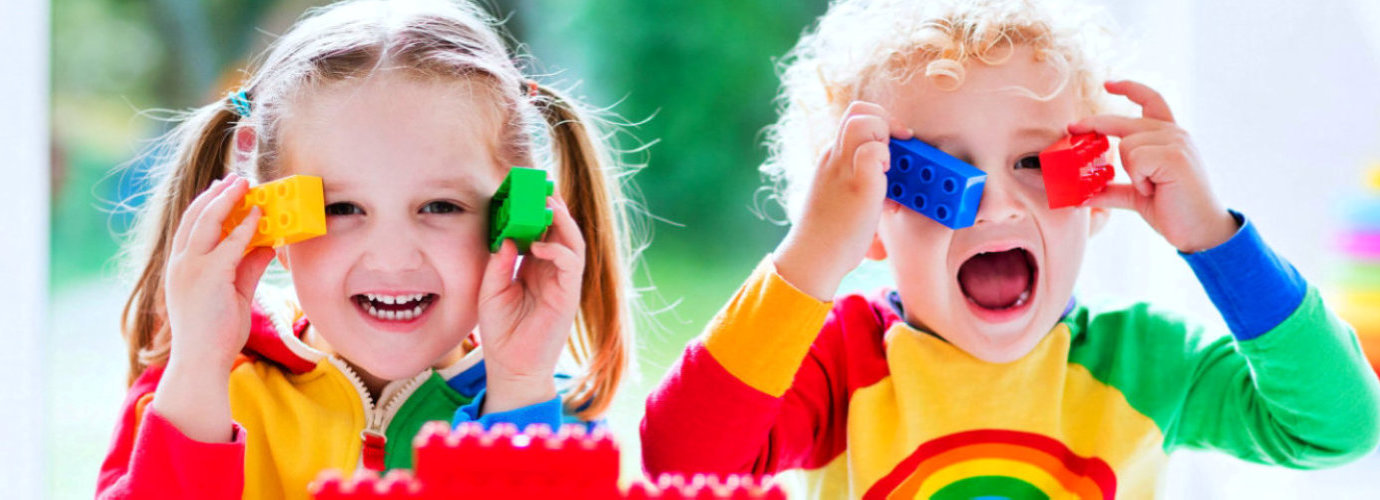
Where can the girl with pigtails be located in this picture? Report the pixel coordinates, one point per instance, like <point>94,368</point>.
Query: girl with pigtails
<point>411,113</point>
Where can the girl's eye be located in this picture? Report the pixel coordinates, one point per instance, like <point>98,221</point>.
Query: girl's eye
<point>440,207</point>
<point>343,208</point>
<point>1032,161</point>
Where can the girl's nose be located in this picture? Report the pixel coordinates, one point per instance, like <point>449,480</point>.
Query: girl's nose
<point>393,247</point>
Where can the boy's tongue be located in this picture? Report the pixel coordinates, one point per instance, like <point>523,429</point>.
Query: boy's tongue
<point>995,280</point>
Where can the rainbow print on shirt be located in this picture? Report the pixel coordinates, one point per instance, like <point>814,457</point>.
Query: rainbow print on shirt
<point>994,463</point>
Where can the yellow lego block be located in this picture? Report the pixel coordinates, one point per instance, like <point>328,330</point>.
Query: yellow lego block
<point>294,209</point>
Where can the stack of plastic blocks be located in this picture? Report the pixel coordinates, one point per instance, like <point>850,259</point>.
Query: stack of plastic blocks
<point>291,209</point>
<point>1357,281</point>
<point>1075,169</point>
<point>934,183</point>
<point>518,209</point>
<point>501,463</point>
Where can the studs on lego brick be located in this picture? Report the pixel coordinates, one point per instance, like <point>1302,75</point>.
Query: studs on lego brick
<point>571,462</point>
<point>293,209</point>
<point>933,183</point>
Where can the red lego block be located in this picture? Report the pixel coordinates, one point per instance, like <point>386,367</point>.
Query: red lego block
<point>1075,169</point>
<point>366,485</point>
<point>472,463</point>
<point>702,486</point>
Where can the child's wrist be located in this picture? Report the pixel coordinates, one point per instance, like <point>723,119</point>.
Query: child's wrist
<point>201,359</point>
<point>507,392</point>
<point>196,400</point>
<point>1216,231</point>
<point>809,268</point>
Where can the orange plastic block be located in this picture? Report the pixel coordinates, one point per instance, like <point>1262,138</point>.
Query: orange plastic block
<point>294,209</point>
<point>502,463</point>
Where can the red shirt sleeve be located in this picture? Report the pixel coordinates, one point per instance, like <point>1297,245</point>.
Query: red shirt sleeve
<point>713,417</point>
<point>151,458</point>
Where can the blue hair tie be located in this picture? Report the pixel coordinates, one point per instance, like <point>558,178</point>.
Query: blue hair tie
<point>240,101</point>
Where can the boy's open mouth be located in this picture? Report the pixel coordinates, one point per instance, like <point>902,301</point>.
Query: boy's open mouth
<point>399,307</point>
<point>999,280</point>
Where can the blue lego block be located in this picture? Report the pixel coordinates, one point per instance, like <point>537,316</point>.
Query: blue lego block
<point>933,183</point>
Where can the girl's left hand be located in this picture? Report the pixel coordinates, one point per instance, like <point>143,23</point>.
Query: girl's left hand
<point>1169,185</point>
<point>525,321</point>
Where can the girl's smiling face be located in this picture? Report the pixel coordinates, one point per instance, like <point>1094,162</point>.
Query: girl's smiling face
<point>993,289</point>
<point>408,166</point>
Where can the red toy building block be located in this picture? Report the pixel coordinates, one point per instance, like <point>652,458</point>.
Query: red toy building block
<point>472,463</point>
<point>1075,168</point>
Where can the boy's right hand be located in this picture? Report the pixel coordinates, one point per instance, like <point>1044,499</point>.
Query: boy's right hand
<point>209,284</point>
<point>844,203</point>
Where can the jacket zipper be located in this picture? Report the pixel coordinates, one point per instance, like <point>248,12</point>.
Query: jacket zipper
<point>377,417</point>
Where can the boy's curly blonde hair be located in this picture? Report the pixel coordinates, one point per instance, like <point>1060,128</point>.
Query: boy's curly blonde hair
<point>860,48</point>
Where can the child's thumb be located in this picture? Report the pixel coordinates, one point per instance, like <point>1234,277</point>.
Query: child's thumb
<point>1116,196</point>
<point>498,273</point>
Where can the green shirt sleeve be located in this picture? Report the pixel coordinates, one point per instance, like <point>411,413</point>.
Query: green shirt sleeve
<point>1300,395</point>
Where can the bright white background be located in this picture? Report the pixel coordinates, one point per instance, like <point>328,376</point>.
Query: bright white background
<point>23,241</point>
<point>1282,99</point>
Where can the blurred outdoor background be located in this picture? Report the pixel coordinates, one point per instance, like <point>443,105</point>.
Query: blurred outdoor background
<point>1281,99</point>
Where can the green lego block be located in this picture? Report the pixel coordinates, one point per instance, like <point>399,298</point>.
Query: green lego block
<point>518,209</point>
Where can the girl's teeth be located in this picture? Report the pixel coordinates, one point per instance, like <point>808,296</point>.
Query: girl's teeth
<point>395,315</point>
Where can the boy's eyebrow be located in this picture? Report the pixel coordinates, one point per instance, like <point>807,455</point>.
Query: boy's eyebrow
<point>1050,134</point>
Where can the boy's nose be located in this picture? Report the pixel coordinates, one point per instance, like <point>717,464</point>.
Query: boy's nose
<point>1000,202</point>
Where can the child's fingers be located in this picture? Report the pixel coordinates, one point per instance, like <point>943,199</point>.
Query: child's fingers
<point>848,125</point>
<point>1115,196</point>
<point>870,156</point>
<point>862,129</point>
<point>1161,137</point>
<point>564,258</point>
<point>234,243</point>
<point>564,230</point>
<point>1143,163</point>
<point>1114,125</point>
<point>206,233</point>
<point>1151,103</point>
<point>251,268</point>
<point>193,211</point>
<point>498,273</point>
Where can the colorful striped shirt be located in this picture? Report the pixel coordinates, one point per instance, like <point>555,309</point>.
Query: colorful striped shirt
<point>870,407</point>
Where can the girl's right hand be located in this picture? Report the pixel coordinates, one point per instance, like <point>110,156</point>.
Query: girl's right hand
<point>844,203</point>
<point>209,284</point>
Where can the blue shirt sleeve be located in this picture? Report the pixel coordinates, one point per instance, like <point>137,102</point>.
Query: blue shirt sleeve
<point>1253,288</point>
<point>547,412</point>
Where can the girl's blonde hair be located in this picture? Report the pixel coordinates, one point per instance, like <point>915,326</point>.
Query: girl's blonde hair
<point>860,48</point>
<point>426,39</point>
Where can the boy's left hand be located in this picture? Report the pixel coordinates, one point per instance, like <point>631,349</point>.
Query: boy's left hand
<point>525,320</point>
<point>1169,186</point>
